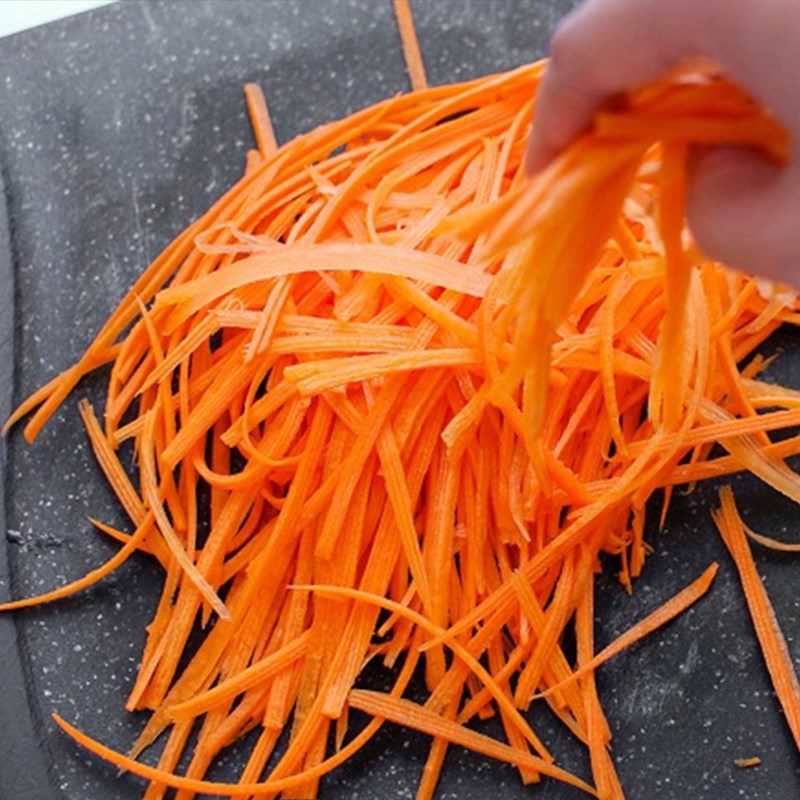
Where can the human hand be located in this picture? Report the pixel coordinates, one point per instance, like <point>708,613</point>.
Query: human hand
<point>743,209</point>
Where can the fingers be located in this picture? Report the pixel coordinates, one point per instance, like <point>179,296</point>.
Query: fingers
<point>744,211</point>
<point>606,47</point>
<point>600,50</point>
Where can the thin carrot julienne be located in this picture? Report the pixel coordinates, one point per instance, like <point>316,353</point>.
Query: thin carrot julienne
<point>262,124</point>
<point>408,37</point>
<point>413,716</point>
<point>386,372</point>
<point>773,644</point>
<point>674,606</point>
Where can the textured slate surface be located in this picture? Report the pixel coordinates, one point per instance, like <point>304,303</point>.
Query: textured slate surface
<point>118,126</point>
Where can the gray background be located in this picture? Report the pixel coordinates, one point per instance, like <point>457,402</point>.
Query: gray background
<point>116,128</point>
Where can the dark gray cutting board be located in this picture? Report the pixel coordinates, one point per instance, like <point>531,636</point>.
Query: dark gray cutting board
<point>116,128</point>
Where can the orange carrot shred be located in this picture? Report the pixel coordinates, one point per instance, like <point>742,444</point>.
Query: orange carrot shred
<point>773,644</point>
<point>391,398</point>
<point>408,38</point>
<point>260,120</point>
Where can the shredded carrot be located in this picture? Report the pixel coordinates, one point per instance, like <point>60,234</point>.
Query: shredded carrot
<point>773,645</point>
<point>411,715</point>
<point>663,614</point>
<point>387,386</point>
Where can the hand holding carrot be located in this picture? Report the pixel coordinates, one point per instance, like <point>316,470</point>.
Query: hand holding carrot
<point>743,209</point>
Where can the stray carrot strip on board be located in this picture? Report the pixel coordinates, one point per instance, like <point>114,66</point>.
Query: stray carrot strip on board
<point>387,374</point>
<point>773,644</point>
<point>260,120</point>
<point>661,616</point>
<point>769,542</point>
<point>408,38</point>
<point>96,575</point>
<point>404,712</point>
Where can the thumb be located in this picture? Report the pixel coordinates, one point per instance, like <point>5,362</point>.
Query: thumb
<point>745,211</point>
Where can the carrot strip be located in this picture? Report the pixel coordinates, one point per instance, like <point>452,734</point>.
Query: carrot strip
<point>768,541</point>
<point>260,120</point>
<point>247,678</point>
<point>150,490</point>
<point>96,575</point>
<point>404,712</point>
<point>110,465</point>
<point>661,616</point>
<point>282,260</point>
<point>773,644</point>
<point>475,666</point>
<point>408,38</point>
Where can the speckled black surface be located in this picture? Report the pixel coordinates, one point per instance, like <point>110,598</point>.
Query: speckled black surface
<point>118,126</point>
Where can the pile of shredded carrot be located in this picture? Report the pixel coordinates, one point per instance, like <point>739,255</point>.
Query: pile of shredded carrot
<point>422,395</point>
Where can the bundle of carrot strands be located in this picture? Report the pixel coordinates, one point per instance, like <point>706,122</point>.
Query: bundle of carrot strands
<point>425,395</point>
